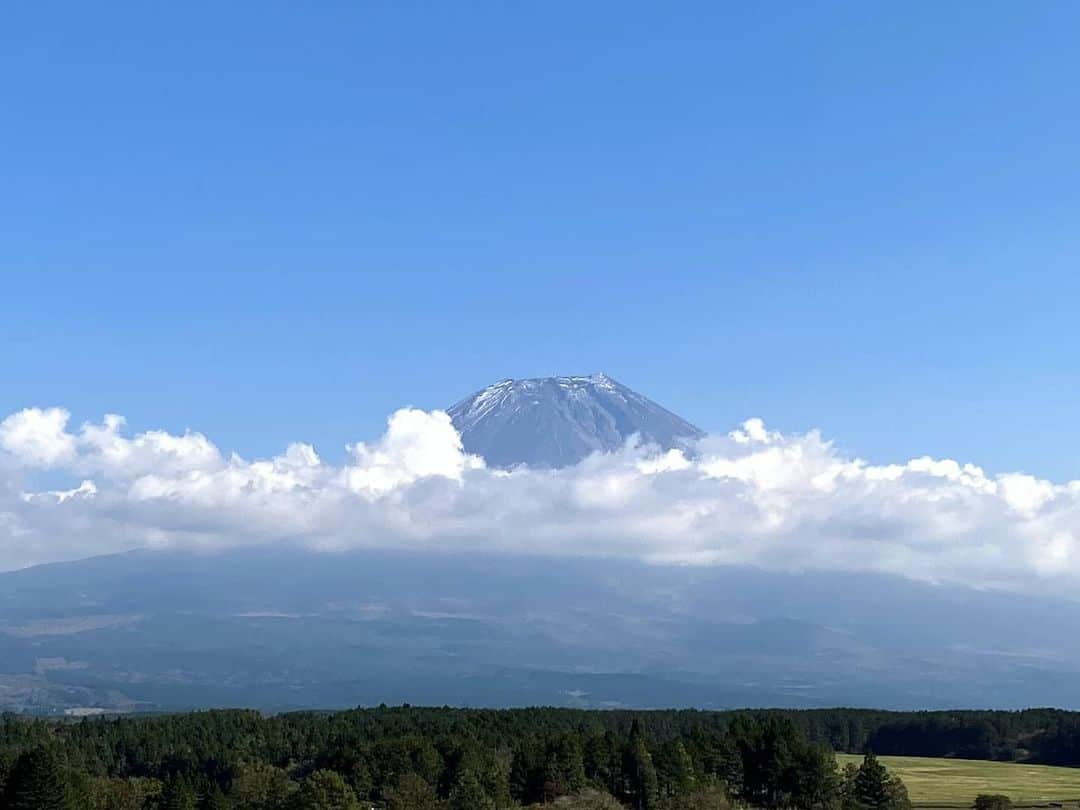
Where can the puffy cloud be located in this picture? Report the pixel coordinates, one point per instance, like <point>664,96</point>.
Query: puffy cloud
<point>103,448</point>
<point>754,496</point>
<point>36,437</point>
<point>416,445</point>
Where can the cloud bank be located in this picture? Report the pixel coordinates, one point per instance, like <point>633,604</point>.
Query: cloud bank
<point>752,497</point>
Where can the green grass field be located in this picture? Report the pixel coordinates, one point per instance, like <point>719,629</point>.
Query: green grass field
<point>932,781</point>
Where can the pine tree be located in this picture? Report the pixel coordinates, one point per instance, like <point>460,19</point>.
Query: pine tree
<point>898,795</point>
<point>729,767</point>
<point>642,785</point>
<point>36,783</point>
<point>564,770</point>
<point>848,775</point>
<point>326,790</point>
<point>469,794</point>
<point>412,792</point>
<point>215,799</point>
<point>177,795</point>
<point>813,781</point>
<point>261,787</point>
<point>874,788</point>
<point>676,769</point>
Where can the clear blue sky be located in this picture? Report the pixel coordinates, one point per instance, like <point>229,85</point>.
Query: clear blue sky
<point>280,221</point>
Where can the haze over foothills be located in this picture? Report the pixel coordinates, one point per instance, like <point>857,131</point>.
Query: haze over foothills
<point>758,311</point>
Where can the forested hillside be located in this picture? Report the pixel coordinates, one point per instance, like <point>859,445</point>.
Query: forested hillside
<point>428,759</point>
<point>461,759</point>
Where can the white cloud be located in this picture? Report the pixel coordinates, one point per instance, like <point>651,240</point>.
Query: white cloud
<point>103,448</point>
<point>755,496</point>
<point>37,438</point>
<point>416,445</point>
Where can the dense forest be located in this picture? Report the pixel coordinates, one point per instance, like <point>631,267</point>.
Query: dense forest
<point>1045,736</point>
<point>460,759</point>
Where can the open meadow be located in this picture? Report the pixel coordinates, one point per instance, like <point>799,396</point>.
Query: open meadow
<point>933,781</point>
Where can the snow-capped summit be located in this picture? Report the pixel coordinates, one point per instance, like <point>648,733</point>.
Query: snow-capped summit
<point>558,421</point>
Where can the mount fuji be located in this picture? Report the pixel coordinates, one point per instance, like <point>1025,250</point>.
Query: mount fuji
<point>281,626</point>
<point>551,422</point>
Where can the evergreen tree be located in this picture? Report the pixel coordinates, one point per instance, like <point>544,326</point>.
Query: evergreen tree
<point>412,792</point>
<point>709,795</point>
<point>848,775</point>
<point>675,770</point>
<point>36,782</point>
<point>122,794</point>
<point>774,758</point>
<point>602,761</point>
<point>178,794</point>
<point>639,774</point>
<point>898,795</point>
<point>326,790</point>
<point>564,770</point>
<point>469,794</point>
<point>872,787</point>
<point>360,779</point>
<point>261,787</point>
<point>215,799</point>
<point>814,783</point>
<point>729,767</point>
<point>872,783</point>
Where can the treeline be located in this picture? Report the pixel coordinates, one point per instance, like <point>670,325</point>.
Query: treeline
<point>431,759</point>
<point>1046,736</point>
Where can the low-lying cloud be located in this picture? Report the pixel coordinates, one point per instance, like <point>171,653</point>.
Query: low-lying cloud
<point>754,497</point>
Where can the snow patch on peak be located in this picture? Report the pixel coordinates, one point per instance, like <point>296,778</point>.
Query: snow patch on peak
<point>558,421</point>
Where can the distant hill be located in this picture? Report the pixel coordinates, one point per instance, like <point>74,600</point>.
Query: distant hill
<point>552,422</point>
<point>283,628</point>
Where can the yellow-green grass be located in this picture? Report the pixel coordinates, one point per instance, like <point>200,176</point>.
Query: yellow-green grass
<point>932,781</point>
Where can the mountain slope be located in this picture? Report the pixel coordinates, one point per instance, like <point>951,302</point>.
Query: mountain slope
<point>281,627</point>
<point>558,421</point>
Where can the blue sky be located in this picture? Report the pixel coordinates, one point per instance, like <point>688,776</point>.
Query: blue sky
<point>274,222</point>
